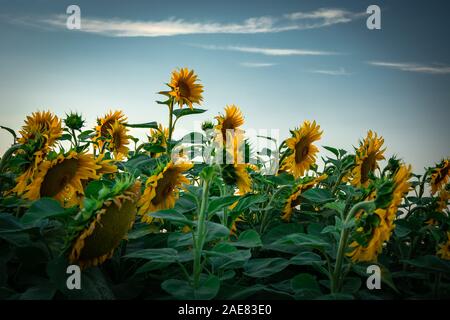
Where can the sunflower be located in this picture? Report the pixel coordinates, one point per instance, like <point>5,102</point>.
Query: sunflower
<point>24,180</point>
<point>444,249</point>
<point>106,166</point>
<point>161,189</point>
<point>442,201</point>
<point>62,178</point>
<point>302,153</point>
<point>108,222</point>
<point>439,176</point>
<point>232,120</point>
<point>105,124</point>
<point>41,125</point>
<point>118,140</point>
<point>185,89</point>
<point>237,174</point>
<point>158,137</point>
<point>367,155</point>
<point>293,199</point>
<point>373,230</point>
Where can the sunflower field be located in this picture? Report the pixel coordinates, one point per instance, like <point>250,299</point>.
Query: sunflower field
<point>207,217</point>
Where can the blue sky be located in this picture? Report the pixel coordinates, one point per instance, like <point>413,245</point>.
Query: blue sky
<point>282,62</point>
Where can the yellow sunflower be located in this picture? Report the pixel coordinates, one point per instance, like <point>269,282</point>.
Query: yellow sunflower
<point>41,125</point>
<point>302,152</point>
<point>105,123</point>
<point>185,89</point>
<point>24,180</point>
<point>294,198</point>
<point>106,166</point>
<point>62,178</point>
<point>444,249</point>
<point>378,227</point>
<point>442,202</point>
<point>367,156</point>
<point>118,140</point>
<point>158,137</point>
<point>162,189</point>
<point>237,174</point>
<point>439,176</point>
<point>110,224</point>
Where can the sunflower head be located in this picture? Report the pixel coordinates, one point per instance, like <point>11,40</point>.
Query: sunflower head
<point>118,140</point>
<point>104,124</point>
<point>439,176</point>
<point>62,178</point>
<point>237,175</point>
<point>301,153</point>
<point>158,139</point>
<point>293,198</point>
<point>162,188</point>
<point>107,215</point>
<point>443,251</point>
<point>42,126</point>
<point>229,123</point>
<point>185,89</point>
<point>74,121</point>
<point>366,161</point>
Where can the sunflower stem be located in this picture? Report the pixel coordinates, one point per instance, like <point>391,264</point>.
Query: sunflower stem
<point>201,232</point>
<point>336,280</point>
<point>169,147</point>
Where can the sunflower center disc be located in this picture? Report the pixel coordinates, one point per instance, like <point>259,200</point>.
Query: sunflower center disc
<point>58,177</point>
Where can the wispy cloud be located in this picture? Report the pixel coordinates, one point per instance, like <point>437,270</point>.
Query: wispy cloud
<point>413,67</point>
<point>323,17</point>
<point>257,64</point>
<point>339,72</point>
<point>176,26</point>
<point>268,51</point>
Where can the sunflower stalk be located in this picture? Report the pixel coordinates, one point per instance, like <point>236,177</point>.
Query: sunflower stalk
<point>336,279</point>
<point>199,239</point>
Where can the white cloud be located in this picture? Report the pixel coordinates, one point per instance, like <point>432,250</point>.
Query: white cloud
<point>257,64</point>
<point>412,67</point>
<point>339,72</point>
<point>268,51</point>
<point>176,26</point>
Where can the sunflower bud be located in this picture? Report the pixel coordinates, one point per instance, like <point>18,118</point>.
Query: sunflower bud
<point>207,125</point>
<point>74,121</point>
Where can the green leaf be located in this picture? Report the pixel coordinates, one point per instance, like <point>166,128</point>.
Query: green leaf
<point>182,290</point>
<point>248,239</point>
<point>215,231</point>
<point>318,196</point>
<point>306,258</point>
<point>220,203</point>
<point>248,201</point>
<point>303,240</point>
<point>148,125</point>
<point>45,208</point>
<point>166,255</point>
<point>187,111</point>
<point>332,150</point>
<point>10,131</point>
<point>225,256</point>
<point>305,281</point>
<point>430,262</point>
<point>65,137</point>
<point>338,206</point>
<point>171,215</point>
<point>44,291</point>
<point>264,267</point>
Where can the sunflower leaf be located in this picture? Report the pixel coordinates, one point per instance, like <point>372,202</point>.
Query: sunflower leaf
<point>151,125</point>
<point>45,208</point>
<point>185,112</point>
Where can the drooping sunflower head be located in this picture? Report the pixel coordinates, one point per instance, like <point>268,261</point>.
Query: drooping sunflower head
<point>162,188</point>
<point>105,123</point>
<point>118,140</point>
<point>185,88</point>
<point>440,175</point>
<point>444,249</point>
<point>301,150</point>
<point>103,222</point>
<point>442,200</point>
<point>229,123</point>
<point>42,126</point>
<point>158,138</point>
<point>62,178</point>
<point>237,175</point>
<point>370,234</point>
<point>366,161</point>
<point>293,198</point>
